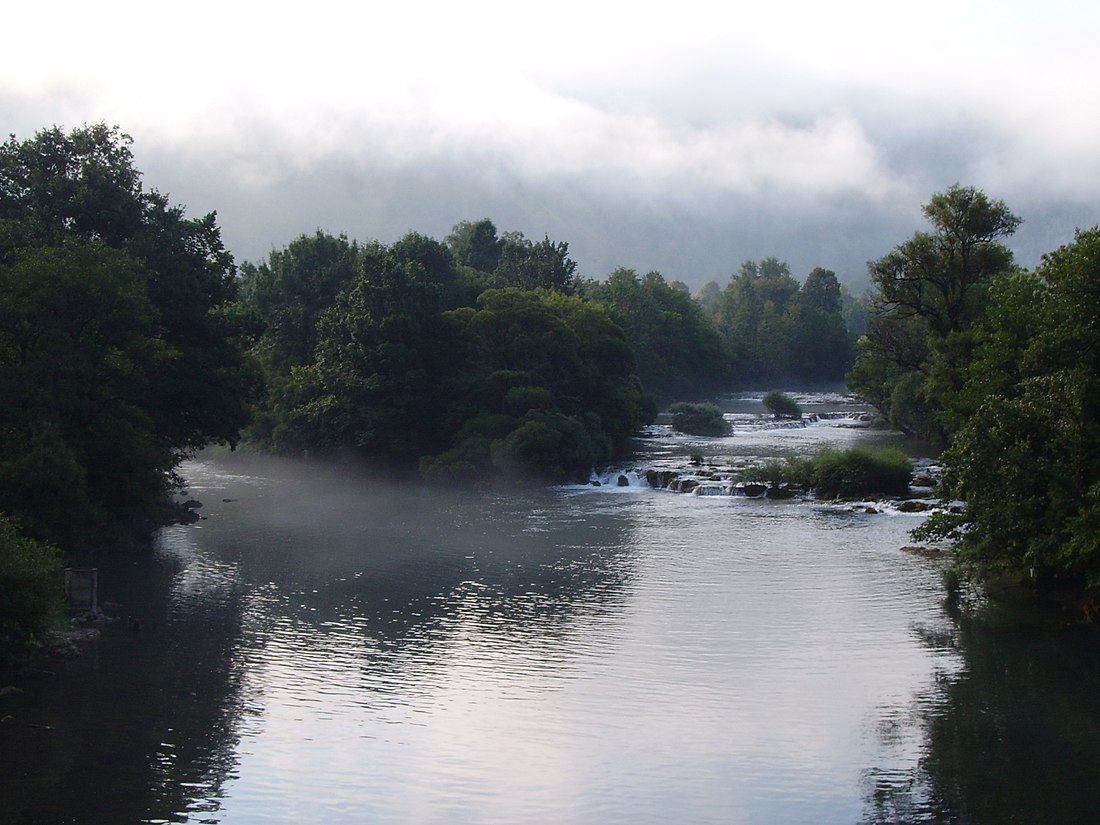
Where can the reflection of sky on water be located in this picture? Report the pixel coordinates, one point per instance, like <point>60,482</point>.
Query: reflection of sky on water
<point>573,656</point>
<point>325,647</point>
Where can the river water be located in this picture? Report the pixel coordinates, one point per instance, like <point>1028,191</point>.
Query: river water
<point>323,647</point>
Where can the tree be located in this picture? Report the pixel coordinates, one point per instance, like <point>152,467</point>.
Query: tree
<point>678,352</point>
<point>699,419</point>
<point>821,290</point>
<point>120,343</point>
<point>57,186</point>
<point>781,405</point>
<point>938,277</point>
<point>544,388</point>
<point>778,329</point>
<point>30,590</point>
<point>379,362</point>
<point>1027,458</point>
<point>527,265</point>
<point>930,292</point>
<point>292,289</point>
<point>79,356</point>
<point>437,262</point>
<point>708,297</point>
<point>475,244</point>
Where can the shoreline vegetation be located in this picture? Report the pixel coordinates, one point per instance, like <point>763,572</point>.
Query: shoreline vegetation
<point>130,339</point>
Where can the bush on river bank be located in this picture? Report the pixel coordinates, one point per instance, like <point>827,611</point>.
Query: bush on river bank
<point>853,473</point>
<point>30,590</point>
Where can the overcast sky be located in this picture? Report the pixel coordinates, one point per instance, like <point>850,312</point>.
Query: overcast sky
<point>684,137</point>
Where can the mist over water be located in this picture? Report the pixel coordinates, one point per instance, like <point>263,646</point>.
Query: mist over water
<point>326,647</point>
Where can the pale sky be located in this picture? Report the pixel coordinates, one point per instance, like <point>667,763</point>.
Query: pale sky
<point>680,137</point>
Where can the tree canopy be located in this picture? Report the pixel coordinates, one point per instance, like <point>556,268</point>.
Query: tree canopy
<point>930,291</point>
<point>407,369</point>
<point>120,343</point>
<point>1027,458</point>
<point>776,329</point>
<point>678,351</point>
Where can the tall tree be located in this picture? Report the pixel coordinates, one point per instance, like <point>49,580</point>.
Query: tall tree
<point>292,289</point>
<point>1027,458</point>
<point>939,276</point>
<point>542,265</point>
<point>137,357</point>
<point>778,329</point>
<point>379,363</point>
<point>678,351</point>
<point>475,244</point>
<point>821,290</point>
<point>932,287</point>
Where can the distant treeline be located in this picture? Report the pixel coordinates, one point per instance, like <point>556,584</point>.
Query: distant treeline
<point>483,354</point>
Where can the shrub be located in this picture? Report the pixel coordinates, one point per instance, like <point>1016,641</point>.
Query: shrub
<point>30,589</point>
<point>460,467</point>
<point>781,405</point>
<point>699,419</point>
<point>860,471</point>
<point>795,471</point>
<point>545,446</point>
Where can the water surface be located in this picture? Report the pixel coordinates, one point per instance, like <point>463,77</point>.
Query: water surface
<point>323,647</point>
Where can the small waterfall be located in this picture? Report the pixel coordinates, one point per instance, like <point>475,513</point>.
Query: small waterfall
<point>711,488</point>
<point>618,478</point>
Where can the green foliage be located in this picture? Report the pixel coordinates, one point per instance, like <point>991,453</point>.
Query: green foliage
<point>677,349</point>
<point>378,366</point>
<point>30,589</point>
<point>777,329</point>
<point>859,471</point>
<point>930,291</point>
<point>475,244</point>
<point>773,472</point>
<point>821,290</point>
<point>545,384</point>
<point>699,419</point>
<point>1027,456</point>
<point>120,339</point>
<point>542,265</point>
<point>781,405</point>
<point>852,473</point>
<point>527,383</point>
<point>291,290</point>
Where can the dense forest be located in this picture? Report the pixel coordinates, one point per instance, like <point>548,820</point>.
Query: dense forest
<point>484,355</point>
<point>1000,366</point>
<point>129,339</point>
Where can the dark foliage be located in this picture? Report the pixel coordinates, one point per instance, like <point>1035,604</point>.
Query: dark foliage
<point>120,343</point>
<point>699,419</point>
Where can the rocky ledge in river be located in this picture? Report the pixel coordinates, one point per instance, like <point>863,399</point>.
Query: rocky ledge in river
<point>711,479</point>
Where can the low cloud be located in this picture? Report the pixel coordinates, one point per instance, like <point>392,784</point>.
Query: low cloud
<point>684,143</point>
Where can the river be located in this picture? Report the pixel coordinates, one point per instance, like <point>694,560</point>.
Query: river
<point>323,647</point>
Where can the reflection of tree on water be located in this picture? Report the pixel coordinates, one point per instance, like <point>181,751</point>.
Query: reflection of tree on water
<point>143,725</point>
<point>1026,704</point>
